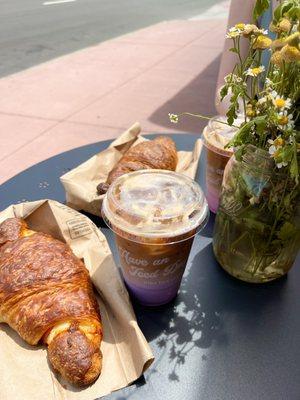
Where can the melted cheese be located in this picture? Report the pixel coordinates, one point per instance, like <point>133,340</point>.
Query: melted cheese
<point>27,232</point>
<point>85,327</point>
<point>59,328</point>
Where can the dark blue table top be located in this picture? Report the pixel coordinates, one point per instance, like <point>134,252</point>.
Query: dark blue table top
<point>221,339</point>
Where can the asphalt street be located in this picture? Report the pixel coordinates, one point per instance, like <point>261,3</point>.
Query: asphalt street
<point>34,31</point>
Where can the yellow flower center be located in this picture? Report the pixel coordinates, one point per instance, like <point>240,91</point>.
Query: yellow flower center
<point>290,53</point>
<point>256,71</point>
<point>240,26</point>
<point>279,103</point>
<point>277,58</point>
<point>283,120</point>
<point>278,142</point>
<point>262,42</point>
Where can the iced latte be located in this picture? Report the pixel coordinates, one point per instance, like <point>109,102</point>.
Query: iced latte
<point>155,215</point>
<point>216,136</point>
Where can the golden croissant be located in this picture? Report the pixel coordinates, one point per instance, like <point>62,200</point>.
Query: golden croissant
<point>159,153</point>
<point>46,295</point>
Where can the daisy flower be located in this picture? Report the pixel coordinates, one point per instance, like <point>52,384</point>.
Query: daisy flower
<point>240,26</point>
<point>278,142</point>
<point>280,102</point>
<point>253,29</point>
<point>254,71</point>
<point>282,164</point>
<point>274,149</point>
<point>275,145</point>
<point>290,53</point>
<point>249,28</point>
<point>233,33</point>
<point>262,42</point>
<point>173,118</point>
<point>285,120</point>
<point>232,78</point>
<point>285,25</point>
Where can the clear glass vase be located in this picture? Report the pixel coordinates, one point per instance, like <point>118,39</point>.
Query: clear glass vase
<point>257,228</point>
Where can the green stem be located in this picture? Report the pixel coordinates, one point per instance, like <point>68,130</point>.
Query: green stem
<point>207,118</point>
<point>278,215</point>
<point>244,106</point>
<point>238,240</point>
<point>239,55</point>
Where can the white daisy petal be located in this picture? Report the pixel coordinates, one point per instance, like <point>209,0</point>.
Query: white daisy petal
<point>272,149</point>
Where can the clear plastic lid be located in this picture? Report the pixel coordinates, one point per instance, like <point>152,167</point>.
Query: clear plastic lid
<point>217,134</point>
<point>155,204</point>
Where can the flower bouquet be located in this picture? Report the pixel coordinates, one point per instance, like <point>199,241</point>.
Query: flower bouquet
<point>257,230</point>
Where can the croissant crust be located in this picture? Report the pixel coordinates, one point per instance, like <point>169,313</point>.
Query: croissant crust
<point>46,295</point>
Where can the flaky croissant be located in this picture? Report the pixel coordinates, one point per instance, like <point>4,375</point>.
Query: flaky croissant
<point>159,153</point>
<point>46,295</point>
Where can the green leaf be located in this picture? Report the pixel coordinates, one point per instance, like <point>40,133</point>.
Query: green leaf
<point>287,200</point>
<point>239,153</point>
<point>282,9</point>
<point>287,6</point>
<point>241,135</point>
<point>260,124</point>
<point>233,50</point>
<point>254,224</point>
<point>223,91</point>
<point>287,231</point>
<point>294,168</point>
<point>231,114</point>
<point>260,7</point>
<point>278,13</point>
<point>293,13</point>
<point>285,154</point>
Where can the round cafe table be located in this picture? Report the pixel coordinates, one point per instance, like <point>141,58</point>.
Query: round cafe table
<point>220,339</point>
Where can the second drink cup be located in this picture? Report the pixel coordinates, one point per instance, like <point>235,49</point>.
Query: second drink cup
<point>216,136</point>
<point>155,215</point>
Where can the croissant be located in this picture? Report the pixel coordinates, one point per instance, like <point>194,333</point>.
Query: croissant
<point>46,295</point>
<point>159,153</point>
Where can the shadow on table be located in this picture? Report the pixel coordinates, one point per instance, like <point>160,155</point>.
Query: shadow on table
<point>195,318</point>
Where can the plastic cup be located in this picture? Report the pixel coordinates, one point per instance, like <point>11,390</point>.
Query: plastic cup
<point>216,136</point>
<point>155,215</point>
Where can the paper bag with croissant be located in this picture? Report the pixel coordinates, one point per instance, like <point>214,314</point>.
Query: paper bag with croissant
<point>129,152</point>
<point>46,295</point>
<point>49,257</point>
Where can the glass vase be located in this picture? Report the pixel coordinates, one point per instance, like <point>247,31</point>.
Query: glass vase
<point>257,227</point>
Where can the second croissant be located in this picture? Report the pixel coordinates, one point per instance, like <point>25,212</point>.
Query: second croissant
<point>159,153</point>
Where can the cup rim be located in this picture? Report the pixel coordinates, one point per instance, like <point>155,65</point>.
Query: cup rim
<point>201,221</point>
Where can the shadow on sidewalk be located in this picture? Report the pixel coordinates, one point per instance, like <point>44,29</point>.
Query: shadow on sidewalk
<point>197,97</point>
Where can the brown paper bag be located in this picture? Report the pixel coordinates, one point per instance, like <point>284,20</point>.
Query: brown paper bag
<point>24,370</point>
<point>81,182</point>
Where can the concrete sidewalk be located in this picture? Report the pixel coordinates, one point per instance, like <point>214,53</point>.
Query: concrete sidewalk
<point>96,93</point>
